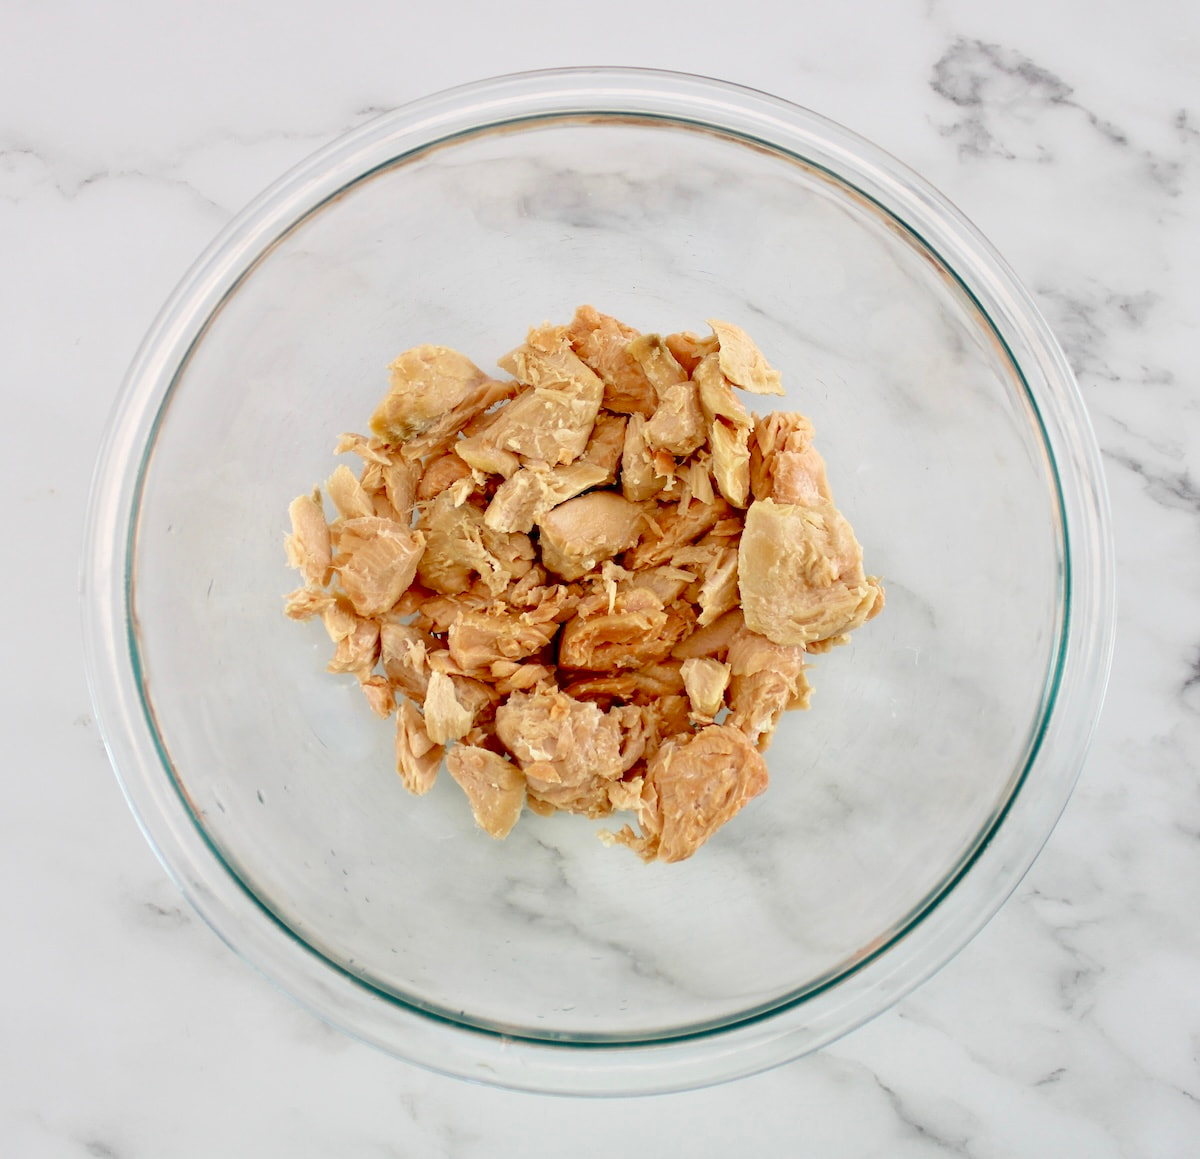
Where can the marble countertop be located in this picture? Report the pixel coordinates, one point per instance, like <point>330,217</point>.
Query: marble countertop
<point>1068,131</point>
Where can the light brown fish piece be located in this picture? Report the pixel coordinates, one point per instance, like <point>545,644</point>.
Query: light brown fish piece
<point>606,445</point>
<point>380,695</point>
<point>400,480</point>
<point>674,530</point>
<point>417,757</point>
<point>552,602</point>
<point>445,718</point>
<point>697,478</point>
<point>639,478</point>
<point>358,652</point>
<point>308,546</point>
<point>712,640</point>
<point>524,498</point>
<point>464,417</point>
<point>528,590</point>
<point>427,383</point>
<point>742,362</point>
<point>689,349</point>
<point>632,724</point>
<point>473,694</point>
<point>784,464</point>
<point>666,582</point>
<point>719,585</point>
<point>766,679</point>
<point>578,535</point>
<point>637,632</point>
<point>348,495</point>
<point>370,450</point>
<point>459,545</point>
<point>436,612</point>
<point>440,474</point>
<point>339,618</point>
<point>667,717</point>
<point>553,421</point>
<point>567,748</point>
<point>376,561</point>
<point>715,394</point>
<point>641,686</point>
<point>486,458</point>
<point>678,424</point>
<point>658,364</point>
<point>494,787</point>
<point>404,653</point>
<point>730,461</point>
<point>705,681</point>
<point>512,677</point>
<point>478,639</point>
<point>305,603</point>
<point>602,342</point>
<point>690,790</point>
<point>800,573</point>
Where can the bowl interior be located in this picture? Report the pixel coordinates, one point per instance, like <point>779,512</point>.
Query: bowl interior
<point>919,731</point>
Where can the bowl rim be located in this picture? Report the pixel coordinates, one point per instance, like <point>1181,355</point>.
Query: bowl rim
<point>948,921</point>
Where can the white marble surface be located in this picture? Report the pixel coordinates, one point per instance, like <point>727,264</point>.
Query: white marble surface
<point>1069,132</point>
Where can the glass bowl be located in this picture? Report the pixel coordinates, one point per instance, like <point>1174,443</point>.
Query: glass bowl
<point>904,806</point>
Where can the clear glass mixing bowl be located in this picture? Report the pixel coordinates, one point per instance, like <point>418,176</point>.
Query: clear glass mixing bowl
<point>941,745</point>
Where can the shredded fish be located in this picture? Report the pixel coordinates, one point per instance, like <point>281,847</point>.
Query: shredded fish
<point>593,587</point>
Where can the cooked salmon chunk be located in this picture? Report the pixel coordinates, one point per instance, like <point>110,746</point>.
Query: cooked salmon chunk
<point>376,561</point>
<point>578,535</point>
<point>531,492</point>
<point>765,679</point>
<point>800,573</point>
<point>705,681</point>
<point>479,639</point>
<point>460,546</point>
<point>742,362</point>
<point>427,383</point>
<point>603,343</point>
<point>568,749</point>
<point>494,787</point>
<point>689,349</point>
<point>690,790</point>
<point>552,422</point>
<point>308,547</point>
<point>417,757</point>
<point>784,464</point>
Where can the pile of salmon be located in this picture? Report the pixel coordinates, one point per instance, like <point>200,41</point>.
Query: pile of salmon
<point>591,586</point>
